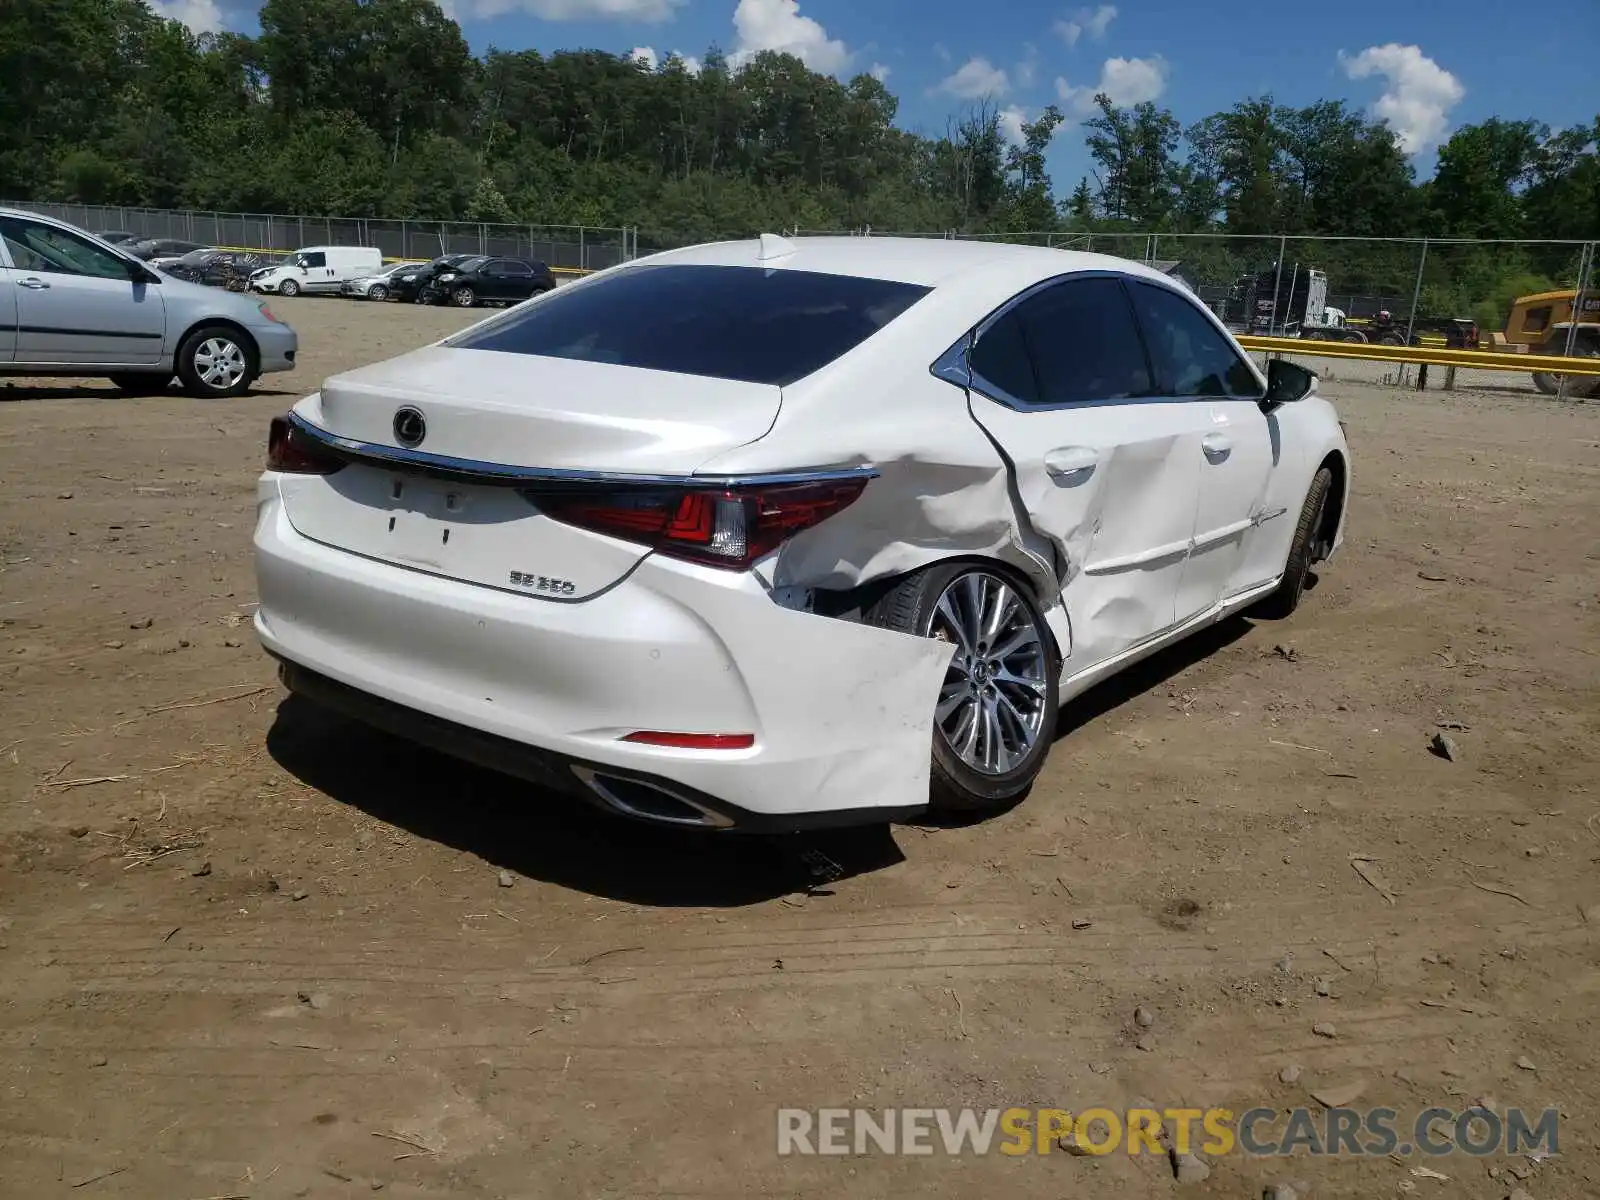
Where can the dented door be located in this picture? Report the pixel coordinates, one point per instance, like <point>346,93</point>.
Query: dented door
<point>1104,471</point>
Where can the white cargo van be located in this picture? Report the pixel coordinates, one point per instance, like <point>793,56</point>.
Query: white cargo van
<point>318,269</point>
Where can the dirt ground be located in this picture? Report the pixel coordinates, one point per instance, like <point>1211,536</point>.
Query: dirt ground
<point>248,949</point>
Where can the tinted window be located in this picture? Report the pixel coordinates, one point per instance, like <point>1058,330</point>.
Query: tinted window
<point>1084,343</point>
<point>1190,357</point>
<point>510,266</point>
<point>1001,360</point>
<point>319,259</point>
<point>744,323</point>
<point>46,250</point>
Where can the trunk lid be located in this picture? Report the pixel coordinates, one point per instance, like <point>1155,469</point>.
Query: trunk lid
<point>491,408</point>
<point>550,413</point>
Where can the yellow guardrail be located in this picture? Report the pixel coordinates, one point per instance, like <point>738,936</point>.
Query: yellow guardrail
<point>1479,360</point>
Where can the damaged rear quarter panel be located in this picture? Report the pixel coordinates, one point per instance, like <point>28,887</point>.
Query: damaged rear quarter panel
<point>942,491</point>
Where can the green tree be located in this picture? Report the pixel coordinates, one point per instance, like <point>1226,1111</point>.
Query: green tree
<point>1032,206</point>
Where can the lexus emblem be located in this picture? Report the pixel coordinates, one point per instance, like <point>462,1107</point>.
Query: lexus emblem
<point>410,427</point>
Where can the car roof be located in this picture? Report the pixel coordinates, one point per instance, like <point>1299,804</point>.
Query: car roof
<point>926,262</point>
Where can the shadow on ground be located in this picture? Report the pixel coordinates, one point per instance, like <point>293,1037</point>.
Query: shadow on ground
<point>95,389</point>
<point>554,837</point>
<point>560,839</point>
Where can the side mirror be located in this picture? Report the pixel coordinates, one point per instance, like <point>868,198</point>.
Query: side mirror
<point>1287,382</point>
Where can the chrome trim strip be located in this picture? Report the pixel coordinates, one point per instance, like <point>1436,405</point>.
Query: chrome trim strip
<point>475,469</point>
<point>1222,533</point>
<point>1143,558</point>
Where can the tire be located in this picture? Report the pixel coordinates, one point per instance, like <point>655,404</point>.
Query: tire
<point>378,292</point>
<point>1579,386</point>
<point>216,362</point>
<point>463,297</point>
<point>288,288</point>
<point>1287,598</point>
<point>981,767</point>
<point>141,383</point>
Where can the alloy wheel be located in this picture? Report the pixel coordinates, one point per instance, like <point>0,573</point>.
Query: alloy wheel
<point>219,363</point>
<point>991,708</point>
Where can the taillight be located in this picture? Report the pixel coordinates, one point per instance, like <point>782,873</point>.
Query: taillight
<point>730,527</point>
<point>293,453</point>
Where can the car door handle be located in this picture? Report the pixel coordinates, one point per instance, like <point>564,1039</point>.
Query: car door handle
<point>31,282</point>
<point>1216,445</point>
<point>1071,460</point>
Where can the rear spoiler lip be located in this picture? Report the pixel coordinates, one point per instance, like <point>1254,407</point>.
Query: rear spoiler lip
<point>470,470</point>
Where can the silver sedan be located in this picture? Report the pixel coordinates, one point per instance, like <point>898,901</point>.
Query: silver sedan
<point>374,286</point>
<point>73,305</point>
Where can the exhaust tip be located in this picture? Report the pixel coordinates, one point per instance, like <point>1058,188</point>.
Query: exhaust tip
<point>649,802</point>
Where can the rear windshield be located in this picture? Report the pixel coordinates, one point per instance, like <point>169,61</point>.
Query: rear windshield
<point>742,323</point>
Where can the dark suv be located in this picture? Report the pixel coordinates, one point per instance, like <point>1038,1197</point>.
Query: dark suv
<point>408,285</point>
<point>483,280</point>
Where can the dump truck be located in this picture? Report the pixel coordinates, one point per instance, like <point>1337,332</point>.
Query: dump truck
<point>1546,323</point>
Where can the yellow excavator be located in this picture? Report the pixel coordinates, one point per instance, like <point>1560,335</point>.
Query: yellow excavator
<point>1545,323</point>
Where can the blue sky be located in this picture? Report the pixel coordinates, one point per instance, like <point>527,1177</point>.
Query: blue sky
<point>1426,66</point>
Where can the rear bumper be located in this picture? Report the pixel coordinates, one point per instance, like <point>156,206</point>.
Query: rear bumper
<point>841,713</point>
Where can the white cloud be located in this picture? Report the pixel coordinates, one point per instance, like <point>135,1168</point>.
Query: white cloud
<point>1419,96</point>
<point>1125,81</point>
<point>879,72</point>
<point>1094,22</point>
<point>691,64</point>
<point>201,16</point>
<point>1012,119</point>
<point>1024,71</point>
<point>943,53</point>
<point>974,78</point>
<point>645,55</point>
<point>778,25</point>
<point>648,11</point>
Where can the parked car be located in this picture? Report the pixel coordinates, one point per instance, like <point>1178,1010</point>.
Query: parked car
<point>75,306</point>
<point>148,248</point>
<point>485,280</point>
<point>375,286</point>
<point>217,268</point>
<point>660,538</point>
<point>408,285</point>
<point>317,269</point>
<point>116,236</point>
<point>162,261</point>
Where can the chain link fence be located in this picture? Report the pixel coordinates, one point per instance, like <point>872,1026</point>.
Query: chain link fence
<point>571,248</point>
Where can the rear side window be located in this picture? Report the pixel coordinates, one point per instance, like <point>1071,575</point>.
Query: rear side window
<point>743,323</point>
<point>1084,343</point>
<point>1190,357</point>
<point>1000,360</point>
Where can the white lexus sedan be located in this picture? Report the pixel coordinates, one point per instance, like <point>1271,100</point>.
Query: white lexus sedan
<point>770,533</point>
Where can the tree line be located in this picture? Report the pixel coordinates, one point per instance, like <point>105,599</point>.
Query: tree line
<point>378,108</point>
